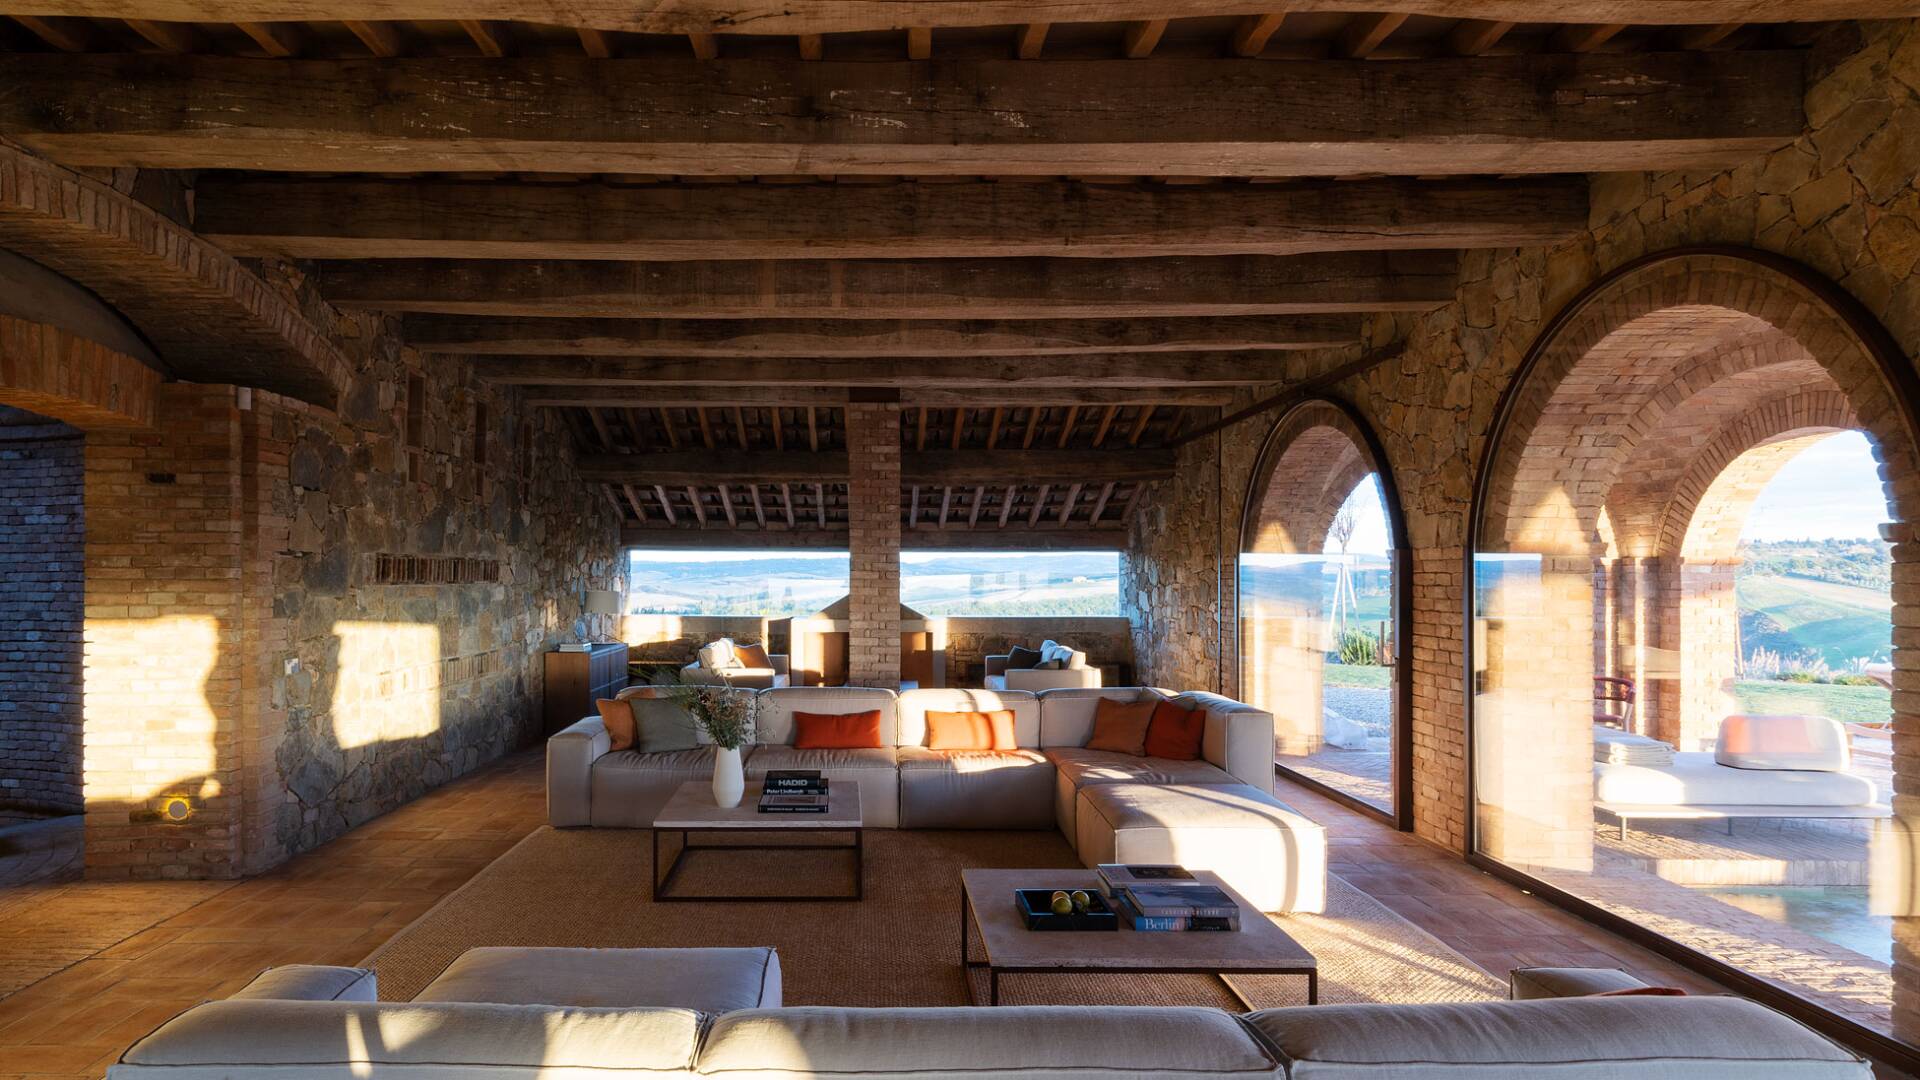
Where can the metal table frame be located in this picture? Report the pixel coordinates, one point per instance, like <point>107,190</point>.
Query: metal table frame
<point>662,882</point>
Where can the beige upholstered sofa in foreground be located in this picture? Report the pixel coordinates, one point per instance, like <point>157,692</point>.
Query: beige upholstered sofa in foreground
<point>627,1014</point>
<point>1217,813</point>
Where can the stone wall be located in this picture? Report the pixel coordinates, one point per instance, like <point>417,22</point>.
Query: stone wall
<point>40,603</point>
<point>1841,199</point>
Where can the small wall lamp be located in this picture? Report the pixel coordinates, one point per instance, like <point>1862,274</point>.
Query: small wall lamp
<point>175,809</point>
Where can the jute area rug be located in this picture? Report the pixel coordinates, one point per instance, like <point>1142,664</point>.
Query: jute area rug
<point>899,946</point>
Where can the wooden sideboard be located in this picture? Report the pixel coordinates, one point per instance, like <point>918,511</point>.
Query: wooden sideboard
<point>575,680</point>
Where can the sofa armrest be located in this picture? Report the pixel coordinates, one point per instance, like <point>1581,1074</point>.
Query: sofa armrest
<point>1529,983</point>
<point>571,753</point>
<point>311,982</point>
<point>1239,739</point>
<point>997,665</point>
<point>780,664</point>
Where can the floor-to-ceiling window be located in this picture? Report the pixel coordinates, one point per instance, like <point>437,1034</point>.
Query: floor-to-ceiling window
<point>1318,588</point>
<point>1682,629</point>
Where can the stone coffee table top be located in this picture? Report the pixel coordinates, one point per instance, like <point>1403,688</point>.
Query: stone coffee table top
<point>692,807</point>
<point>1258,946</point>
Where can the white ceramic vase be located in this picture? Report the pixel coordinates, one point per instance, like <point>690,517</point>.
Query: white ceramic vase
<point>729,781</point>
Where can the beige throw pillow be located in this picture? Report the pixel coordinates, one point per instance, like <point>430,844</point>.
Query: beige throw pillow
<point>662,726</point>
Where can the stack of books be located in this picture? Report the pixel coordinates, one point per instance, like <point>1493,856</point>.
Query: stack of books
<point>793,792</point>
<point>1153,897</point>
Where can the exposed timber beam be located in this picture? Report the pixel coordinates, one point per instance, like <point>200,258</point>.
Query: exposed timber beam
<point>209,318</point>
<point>845,16</point>
<point>1123,369</point>
<point>1558,113</point>
<point>808,338</point>
<point>777,535</point>
<point>931,468</point>
<point>1336,283</point>
<point>678,397</point>
<point>358,219</point>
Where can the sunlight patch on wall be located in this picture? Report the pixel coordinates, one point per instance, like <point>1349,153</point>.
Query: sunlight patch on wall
<point>387,685</point>
<point>170,660</point>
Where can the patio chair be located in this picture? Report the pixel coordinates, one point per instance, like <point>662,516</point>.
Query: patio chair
<point>1613,701</point>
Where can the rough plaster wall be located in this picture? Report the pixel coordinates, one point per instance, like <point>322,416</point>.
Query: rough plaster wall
<point>1841,199</point>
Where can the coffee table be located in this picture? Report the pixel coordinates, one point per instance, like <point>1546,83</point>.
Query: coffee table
<point>986,901</point>
<point>691,811</point>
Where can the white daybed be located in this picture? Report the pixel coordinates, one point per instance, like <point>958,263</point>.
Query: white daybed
<point>1760,767</point>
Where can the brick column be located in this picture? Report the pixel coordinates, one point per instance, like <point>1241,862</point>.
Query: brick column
<point>873,543</point>
<point>1895,852</point>
<point>163,641</point>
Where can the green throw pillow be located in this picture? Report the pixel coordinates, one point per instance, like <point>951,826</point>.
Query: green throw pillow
<point>663,725</point>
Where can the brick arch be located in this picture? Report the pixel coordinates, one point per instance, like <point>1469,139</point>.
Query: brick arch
<point>1314,459</point>
<point>1708,507</point>
<point>1665,329</point>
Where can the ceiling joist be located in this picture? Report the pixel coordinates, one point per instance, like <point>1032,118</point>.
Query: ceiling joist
<point>1131,370</point>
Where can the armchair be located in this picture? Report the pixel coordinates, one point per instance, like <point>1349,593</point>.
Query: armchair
<point>1061,667</point>
<point>747,667</point>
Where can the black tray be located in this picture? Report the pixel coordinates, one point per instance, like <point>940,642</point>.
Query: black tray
<point>1036,906</point>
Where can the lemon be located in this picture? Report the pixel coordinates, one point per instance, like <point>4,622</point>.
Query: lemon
<point>1081,901</point>
<point>1062,904</point>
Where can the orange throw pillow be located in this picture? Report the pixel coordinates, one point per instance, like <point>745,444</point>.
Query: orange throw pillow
<point>1174,733</point>
<point>1121,726</point>
<point>622,729</point>
<point>837,731</point>
<point>971,730</point>
<point>752,656</point>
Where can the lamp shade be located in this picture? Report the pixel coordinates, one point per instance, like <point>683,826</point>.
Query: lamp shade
<point>603,602</point>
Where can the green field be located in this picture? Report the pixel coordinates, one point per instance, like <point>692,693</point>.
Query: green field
<point>1794,615</point>
<point>1847,704</point>
<point>1365,677</point>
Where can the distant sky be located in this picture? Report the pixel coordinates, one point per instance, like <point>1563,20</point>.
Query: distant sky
<point>1369,521</point>
<point>1830,491</point>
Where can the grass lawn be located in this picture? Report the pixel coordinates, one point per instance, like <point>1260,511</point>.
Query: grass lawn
<point>1366,677</point>
<point>1847,704</point>
<point>1839,622</point>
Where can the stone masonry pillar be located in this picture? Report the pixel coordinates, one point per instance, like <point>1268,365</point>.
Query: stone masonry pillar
<point>873,543</point>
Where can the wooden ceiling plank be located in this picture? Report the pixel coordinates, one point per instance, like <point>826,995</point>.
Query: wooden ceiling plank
<point>788,17</point>
<point>811,338</point>
<point>1584,38</point>
<point>356,219</point>
<point>579,396</point>
<point>1556,113</point>
<point>1330,283</point>
<point>1136,371</point>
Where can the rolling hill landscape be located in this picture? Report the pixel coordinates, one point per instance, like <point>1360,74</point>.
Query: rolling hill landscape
<point>1817,598</point>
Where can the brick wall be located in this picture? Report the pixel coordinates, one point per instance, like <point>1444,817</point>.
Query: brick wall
<point>873,543</point>
<point>40,533</point>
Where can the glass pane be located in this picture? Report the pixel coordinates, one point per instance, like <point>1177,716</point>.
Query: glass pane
<point>1697,739</point>
<point>1011,583</point>
<point>771,584</point>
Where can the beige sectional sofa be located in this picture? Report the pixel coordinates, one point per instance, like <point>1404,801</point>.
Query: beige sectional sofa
<point>575,1014</point>
<point>1217,813</point>
<point>1074,672</point>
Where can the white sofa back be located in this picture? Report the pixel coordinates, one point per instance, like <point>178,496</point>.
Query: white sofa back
<point>1700,1038</point>
<point>913,706</point>
<point>773,709</point>
<point>1066,716</point>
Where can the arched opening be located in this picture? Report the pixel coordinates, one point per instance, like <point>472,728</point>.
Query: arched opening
<point>1619,754</point>
<point>1320,606</point>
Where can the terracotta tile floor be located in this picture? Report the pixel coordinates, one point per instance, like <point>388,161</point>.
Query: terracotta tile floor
<point>136,955</point>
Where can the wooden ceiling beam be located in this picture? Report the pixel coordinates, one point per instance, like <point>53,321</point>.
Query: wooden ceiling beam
<point>1365,33</point>
<point>1333,283</point>
<point>170,37</point>
<point>675,397</point>
<point>809,338</point>
<point>1142,37</point>
<point>359,219</point>
<point>277,39</point>
<point>381,38</point>
<point>1475,36</point>
<point>1124,369</point>
<point>922,468</point>
<point>1251,36</point>
<point>1547,113</point>
<point>777,536</point>
<point>787,17</point>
